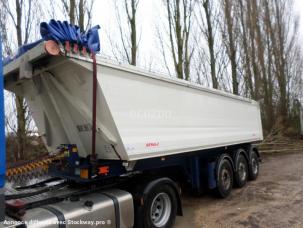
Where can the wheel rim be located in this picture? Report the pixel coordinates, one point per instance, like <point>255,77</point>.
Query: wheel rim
<point>255,167</point>
<point>160,209</point>
<point>242,171</point>
<point>225,179</point>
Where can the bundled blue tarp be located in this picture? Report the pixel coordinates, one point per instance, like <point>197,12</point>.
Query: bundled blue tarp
<point>62,32</point>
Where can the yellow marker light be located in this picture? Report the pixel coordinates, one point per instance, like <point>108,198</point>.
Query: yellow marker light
<point>84,173</point>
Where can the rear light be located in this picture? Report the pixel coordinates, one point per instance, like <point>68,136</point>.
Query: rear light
<point>103,170</point>
<point>16,204</point>
<point>15,208</point>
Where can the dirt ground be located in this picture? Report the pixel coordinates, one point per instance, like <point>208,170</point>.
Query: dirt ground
<point>275,199</point>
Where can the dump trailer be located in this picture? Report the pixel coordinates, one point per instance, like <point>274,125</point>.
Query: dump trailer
<point>131,139</point>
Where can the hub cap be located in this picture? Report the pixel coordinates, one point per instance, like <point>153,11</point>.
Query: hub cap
<point>160,209</point>
<point>225,179</point>
<point>242,171</point>
<point>255,166</point>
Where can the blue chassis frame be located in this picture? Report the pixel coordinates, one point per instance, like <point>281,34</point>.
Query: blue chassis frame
<point>191,164</point>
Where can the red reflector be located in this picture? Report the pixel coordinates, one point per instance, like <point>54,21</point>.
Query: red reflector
<point>67,46</point>
<point>15,204</point>
<point>103,170</point>
<point>84,51</point>
<point>76,48</point>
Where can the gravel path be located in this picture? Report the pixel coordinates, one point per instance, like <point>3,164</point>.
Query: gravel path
<point>275,199</point>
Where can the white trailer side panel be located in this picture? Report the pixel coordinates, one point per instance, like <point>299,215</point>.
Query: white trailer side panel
<point>158,117</point>
<point>139,114</point>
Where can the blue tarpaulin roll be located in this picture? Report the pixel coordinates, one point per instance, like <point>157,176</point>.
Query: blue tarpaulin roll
<point>62,32</point>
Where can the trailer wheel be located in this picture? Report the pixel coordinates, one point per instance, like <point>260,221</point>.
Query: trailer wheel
<point>254,166</point>
<point>159,209</point>
<point>224,178</point>
<point>241,174</point>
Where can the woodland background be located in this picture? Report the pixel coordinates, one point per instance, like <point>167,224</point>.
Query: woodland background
<point>249,48</point>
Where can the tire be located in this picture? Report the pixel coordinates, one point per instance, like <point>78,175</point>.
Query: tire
<point>241,174</point>
<point>159,209</point>
<point>224,178</point>
<point>254,166</point>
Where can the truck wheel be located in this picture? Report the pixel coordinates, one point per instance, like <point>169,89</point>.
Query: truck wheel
<point>241,174</point>
<point>224,178</point>
<point>254,166</point>
<point>159,209</point>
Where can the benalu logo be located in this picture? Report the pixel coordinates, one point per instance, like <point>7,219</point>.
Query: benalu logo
<point>151,114</point>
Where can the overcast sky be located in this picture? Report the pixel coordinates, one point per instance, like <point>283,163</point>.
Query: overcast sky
<point>299,10</point>
<point>149,16</point>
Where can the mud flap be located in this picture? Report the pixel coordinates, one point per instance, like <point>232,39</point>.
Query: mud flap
<point>211,174</point>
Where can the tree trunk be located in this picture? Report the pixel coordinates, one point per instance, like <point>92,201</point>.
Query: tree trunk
<point>248,73</point>
<point>19,21</point>
<point>270,108</point>
<point>278,53</point>
<point>72,7</point>
<point>133,33</point>
<point>81,15</point>
<point>255,68</point>
<point>282,75</point>
<point>210,40</point>
<point>178,31</point>
<point>21,131</point>
<point>261,61</point>
<point>231,45</point>
<point>21,118</point>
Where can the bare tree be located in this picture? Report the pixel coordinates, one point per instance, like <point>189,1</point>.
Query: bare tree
<point>269,34</point>
<point>179,18</point>
<point>282,29</point>
<point>132,21</point>
<point>228,8</point>
<point>78,12</point>
<point>210,58</point>
<point>126,15</point>
<point>246,51</point>
<point>21,15</point>
<point>209,34</point>
<point>7,51</point>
